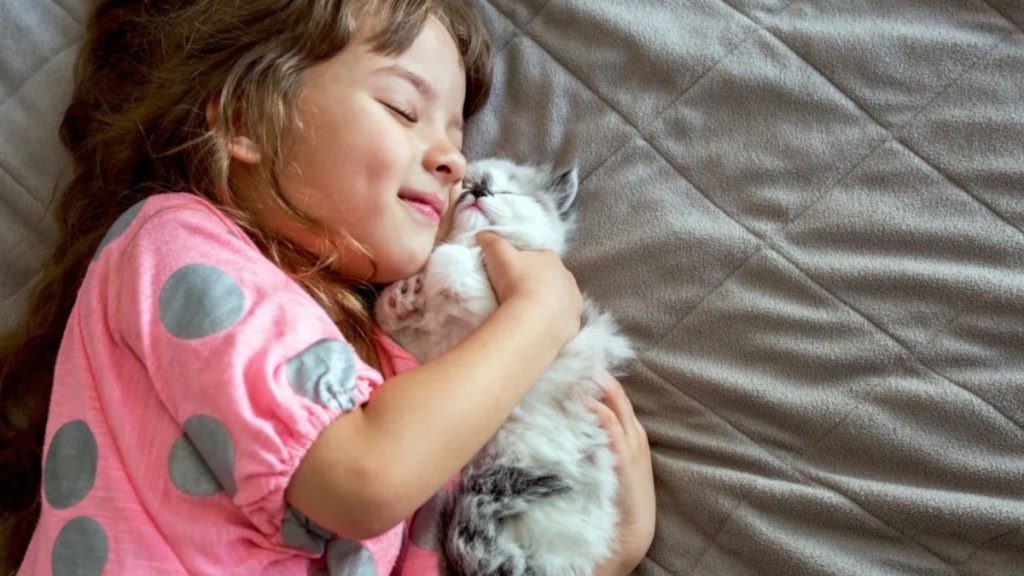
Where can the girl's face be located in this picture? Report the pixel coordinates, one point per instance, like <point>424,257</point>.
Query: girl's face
<point>376,155</point>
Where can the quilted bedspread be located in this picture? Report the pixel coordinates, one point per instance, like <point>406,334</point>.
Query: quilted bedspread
<point>808,214</point>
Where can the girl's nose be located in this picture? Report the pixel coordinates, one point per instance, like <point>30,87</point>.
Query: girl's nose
<point>446,161</point>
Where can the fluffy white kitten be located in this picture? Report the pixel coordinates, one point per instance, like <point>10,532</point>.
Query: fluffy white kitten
<point>539,498</point>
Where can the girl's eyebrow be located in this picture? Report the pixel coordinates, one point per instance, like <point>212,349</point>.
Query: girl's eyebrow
<point>422,85</point>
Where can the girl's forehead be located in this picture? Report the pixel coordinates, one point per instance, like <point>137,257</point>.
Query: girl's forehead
<point>432,50</point>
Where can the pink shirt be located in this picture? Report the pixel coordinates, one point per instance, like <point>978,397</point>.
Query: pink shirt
<point>192,378</point>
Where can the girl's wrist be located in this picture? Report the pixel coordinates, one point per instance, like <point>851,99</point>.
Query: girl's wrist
<point>535,312</point>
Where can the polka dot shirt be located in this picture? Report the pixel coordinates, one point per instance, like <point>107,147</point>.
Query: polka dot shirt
<point>192,377</point>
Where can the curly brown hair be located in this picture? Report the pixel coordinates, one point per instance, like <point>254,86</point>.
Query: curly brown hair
<point>137,125</point>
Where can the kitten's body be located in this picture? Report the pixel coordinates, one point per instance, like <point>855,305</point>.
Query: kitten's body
<point>540,497</point>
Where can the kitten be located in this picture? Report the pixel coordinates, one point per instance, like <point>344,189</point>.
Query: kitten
<point>539,498</point>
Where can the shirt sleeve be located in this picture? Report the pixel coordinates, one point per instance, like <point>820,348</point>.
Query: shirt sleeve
<point>239,354</point>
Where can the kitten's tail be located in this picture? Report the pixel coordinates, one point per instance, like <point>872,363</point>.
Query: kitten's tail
<point>472,519</point>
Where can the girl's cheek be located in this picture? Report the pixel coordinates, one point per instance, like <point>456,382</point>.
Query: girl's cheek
<point>449,216</point>
<point>445,226</point>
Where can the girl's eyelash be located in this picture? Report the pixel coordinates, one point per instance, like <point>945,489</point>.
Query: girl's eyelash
<point>405,113</point>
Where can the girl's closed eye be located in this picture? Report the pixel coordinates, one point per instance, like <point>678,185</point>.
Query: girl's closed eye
<point>407,114</point>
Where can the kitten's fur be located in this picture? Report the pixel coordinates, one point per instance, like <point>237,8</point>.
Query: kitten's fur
<point>540,497</point>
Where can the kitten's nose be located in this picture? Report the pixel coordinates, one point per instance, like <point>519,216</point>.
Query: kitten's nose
<point>480,191</point>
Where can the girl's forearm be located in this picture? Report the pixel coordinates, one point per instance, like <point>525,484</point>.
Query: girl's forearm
<point>429,422</point>
<point>373,467</point>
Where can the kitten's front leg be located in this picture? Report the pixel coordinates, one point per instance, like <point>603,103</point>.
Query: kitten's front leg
<point>458,279</point>
<point>400,305</point>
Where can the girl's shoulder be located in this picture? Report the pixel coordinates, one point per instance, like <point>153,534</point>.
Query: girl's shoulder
<point>171,208</point>
<point>182,200</point>
<point>173,221</point>
<point>178,235</point>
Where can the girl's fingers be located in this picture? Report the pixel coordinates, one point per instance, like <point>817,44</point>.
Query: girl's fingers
<point>494,247</point>
<point>616,399</point>
<point>608,421</point>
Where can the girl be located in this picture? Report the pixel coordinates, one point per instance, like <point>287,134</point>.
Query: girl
<point>245,172</point>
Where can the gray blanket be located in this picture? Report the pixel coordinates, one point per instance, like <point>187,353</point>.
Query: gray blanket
<point>808,214</point>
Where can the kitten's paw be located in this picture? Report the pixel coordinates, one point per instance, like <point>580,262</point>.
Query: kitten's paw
<point>404,299</point>
<point>399,305</point>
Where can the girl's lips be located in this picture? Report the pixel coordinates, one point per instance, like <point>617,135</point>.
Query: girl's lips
<point>426,210</point>
<point>429,205</point>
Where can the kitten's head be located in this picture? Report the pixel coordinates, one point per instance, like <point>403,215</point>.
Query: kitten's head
<point>529,206</point>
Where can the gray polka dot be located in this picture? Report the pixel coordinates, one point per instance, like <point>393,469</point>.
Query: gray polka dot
<point>80,549</point>
<point>202,462</point>
<point>188,471</point>
<point>120,225</point>
<point>300,532</point>
<point>325,373</point>
<point>199,300</point>
<point>426,524</point>
<point>349,558</point>
<point>70,469</point>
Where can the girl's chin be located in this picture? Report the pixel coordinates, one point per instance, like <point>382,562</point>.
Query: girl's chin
<point>383,275</point>
<point>399,271</point>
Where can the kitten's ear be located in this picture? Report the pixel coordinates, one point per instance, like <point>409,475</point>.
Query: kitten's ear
<point>564,184</point>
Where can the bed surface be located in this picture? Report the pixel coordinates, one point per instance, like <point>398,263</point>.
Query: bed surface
<point>808,214</point>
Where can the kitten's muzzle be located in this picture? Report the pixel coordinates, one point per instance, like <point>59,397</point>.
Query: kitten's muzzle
<point>477,191</point>
<point>480,191</point>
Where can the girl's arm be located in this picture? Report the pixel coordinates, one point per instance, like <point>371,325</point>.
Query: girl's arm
<point>374,466</point>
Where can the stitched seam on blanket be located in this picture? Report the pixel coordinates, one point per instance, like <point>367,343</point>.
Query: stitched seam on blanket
<point>711,538</point>
<point>778,10</point>
<point>498,50</point>
<point>718,532</point>
<point>913,355</point>
<point>17,316</point>
<point>65,10</point>
<point>523,34</point>
<point>39,69</point>
<point>657,565</point>
<point>963,188</point>
<point>20,184</point>
<point>518,32</point>
<point>787,466</point>
<point>703,296</point>
<point>987,542</point>
<point>1003,16</point>
<point>672,103</point>
<point>899,130</point>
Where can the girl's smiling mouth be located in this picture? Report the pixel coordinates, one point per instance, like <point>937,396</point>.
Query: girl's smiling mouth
<point>431,206</point>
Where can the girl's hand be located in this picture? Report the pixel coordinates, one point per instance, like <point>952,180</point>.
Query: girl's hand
<point>534,276</point>
<point>628,441</point>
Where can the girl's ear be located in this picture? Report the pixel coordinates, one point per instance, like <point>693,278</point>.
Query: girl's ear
<point>240,146</point>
